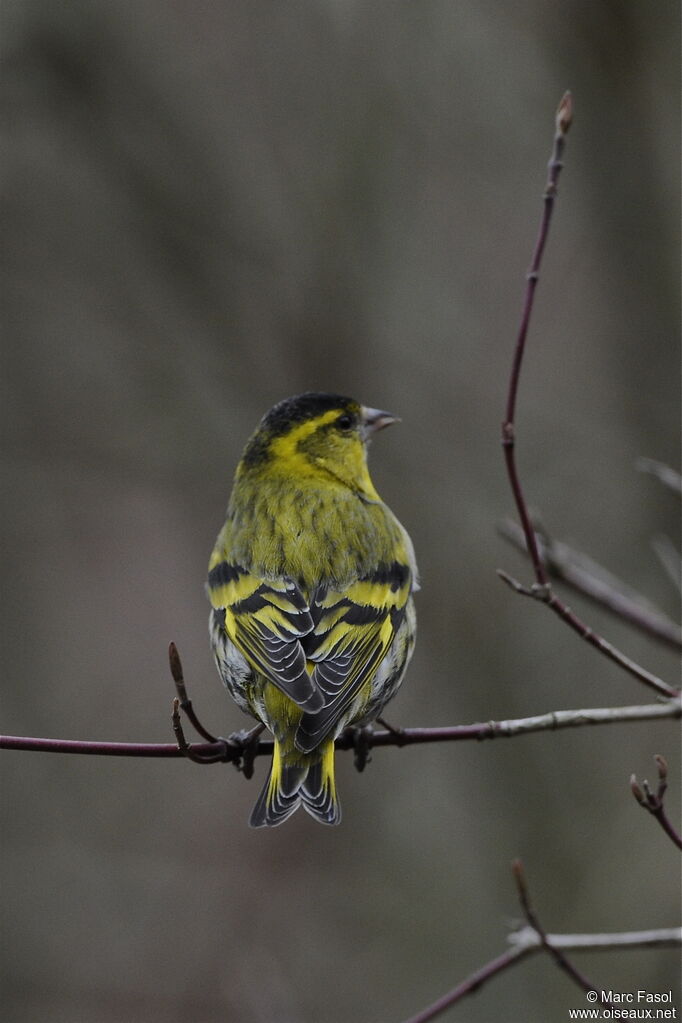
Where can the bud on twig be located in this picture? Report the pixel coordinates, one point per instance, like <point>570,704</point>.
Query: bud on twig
<point>176,672</point>
<point>636,790</point>
<point>662,765</point>
<point>564,114</point>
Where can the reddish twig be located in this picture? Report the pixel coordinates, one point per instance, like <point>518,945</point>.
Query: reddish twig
<point>229,750</point>
<point>653,801</point>
<point>527,941</point>
<point>584,576</point>
<point>556,953</point>
<point>183,699</point>
<point>473,983</point>
<point>546,595</point>
<point>564,117</point>
<point>189,751</point>
<point>92,748</point>
<point>240,748</point>
<point>542,590</point>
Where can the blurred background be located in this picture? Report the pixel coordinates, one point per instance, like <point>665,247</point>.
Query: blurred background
<point>207,208</point>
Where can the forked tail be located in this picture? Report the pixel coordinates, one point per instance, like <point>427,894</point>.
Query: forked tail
<point>297,779</point>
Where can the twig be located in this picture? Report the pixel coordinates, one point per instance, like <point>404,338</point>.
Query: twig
<point>185,748</point>
<point>183,699</point>
<point>660,938</point>
<point>472,983</point>
<point>239,748</point>
<point>653,801</point>
<point>667,476</point>
<point>542,589</point>
<point>583,575</point>
<point>534,937</point>
<point>553,721</point>
<point>554,951</point>
<point>546,595</point>
<point>224,750</point>
<point>564,117</point>
<point>527,941</point>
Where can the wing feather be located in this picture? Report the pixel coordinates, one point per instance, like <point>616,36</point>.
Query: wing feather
<point>353,632</point>
<point>267,620</point>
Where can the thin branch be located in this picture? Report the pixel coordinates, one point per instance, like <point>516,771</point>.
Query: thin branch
<point>553,721</point>
<point>583,575</point>
<point>230,750</point>
<point>660,938</point>
<point>563,120</point>
<point>653,801</point>
<point>93,748</point>
<point>183,699</point>
<point>542,589</point>
<point>472,983</point>
<point>546,595</point>
<point>554,951</point>
<point>185,747</point>
<point>527,941</point>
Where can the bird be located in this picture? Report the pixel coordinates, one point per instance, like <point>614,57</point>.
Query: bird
<point>311,584</point>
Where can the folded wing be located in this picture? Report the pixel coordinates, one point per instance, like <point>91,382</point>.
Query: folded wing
<point>268,620</point>
<point>353,631</point>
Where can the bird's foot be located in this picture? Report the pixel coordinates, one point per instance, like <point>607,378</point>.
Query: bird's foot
<point>361,740</point>
<point>245,742</point>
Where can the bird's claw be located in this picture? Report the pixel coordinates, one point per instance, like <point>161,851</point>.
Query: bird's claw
<point>245,742</point>
<point>362,744</point>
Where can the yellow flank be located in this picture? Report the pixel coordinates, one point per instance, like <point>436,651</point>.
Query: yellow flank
<point>310,581</point>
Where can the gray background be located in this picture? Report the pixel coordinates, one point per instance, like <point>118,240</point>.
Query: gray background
<point>208,207</point>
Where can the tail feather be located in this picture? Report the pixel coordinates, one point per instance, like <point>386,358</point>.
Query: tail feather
<point>318,791</point>
<point>289,785</point>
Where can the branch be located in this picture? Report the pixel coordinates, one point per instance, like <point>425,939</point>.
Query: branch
<point>183,700</point>
<point>554,951</point>
<point>472,983</point>
<point>564,117</point>
<point>528,937</point>
<point>583,575</point>
<point>542,589</point>
<point>533,938</point>
<point>653,801</point>
<point>527,941</point>
<point>231,749</point>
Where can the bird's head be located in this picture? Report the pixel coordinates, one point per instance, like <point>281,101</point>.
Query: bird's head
<point>318,436</point>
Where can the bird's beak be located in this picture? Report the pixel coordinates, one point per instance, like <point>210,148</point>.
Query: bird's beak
<point>374,419</point>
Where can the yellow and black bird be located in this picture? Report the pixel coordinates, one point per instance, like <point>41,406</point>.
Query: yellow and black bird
<point>310,581</point>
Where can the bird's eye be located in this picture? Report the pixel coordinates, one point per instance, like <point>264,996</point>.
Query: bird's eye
<point>344,422</point>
